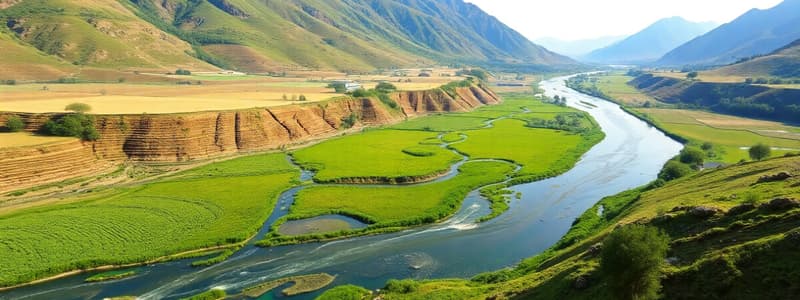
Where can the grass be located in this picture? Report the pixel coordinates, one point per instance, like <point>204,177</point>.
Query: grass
<point>345,292</point>
<point>394,206</point>
<point>727,256</point>
<point>376,155</point>
<point>728,134</point>
<point>537,150</point>
<point>111,275</point>
<point>444,123</point>
<point>141,223</point>
<point>613,86</point>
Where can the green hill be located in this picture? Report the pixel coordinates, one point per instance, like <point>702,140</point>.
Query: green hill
<point>734,234</point>
<point>784,62</point>
<point>259,36</point>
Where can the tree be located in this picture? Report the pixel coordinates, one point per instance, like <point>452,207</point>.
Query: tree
<point>385,87</point>
<point>631,259</point>
<point>760,151</point>
<point>15,124</point>
<point>182,72</point>
<point>78,107</point>
<point>303,97</point>
<point>674,170</point>
<point>338,87</point>
<point>692,156</point>
<point>691,75</point>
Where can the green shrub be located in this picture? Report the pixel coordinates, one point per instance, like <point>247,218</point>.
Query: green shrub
<point>760,151</point>
<point>339,88</point>
<point>78,125</point>
<point>385,87</point>
<point>674,170</point>
<point>209,295</point>
<point>631,259</point>
<point>8,82</point>
<point>182,72</point>
<point>78,107</point>
<point>349,121</point>
<point>692,156</point>
<point>15,124</point>
<point>404,286</point>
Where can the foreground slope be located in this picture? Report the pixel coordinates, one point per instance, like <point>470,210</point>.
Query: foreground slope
<point>754,33</point>
<point>746,247</point>
<point>651,43</point>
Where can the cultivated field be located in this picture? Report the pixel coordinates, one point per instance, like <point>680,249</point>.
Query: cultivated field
<point>615,86</point>
<point>201,92</point>
<point>24,139</point>
<point>215,205</point>
<point>388,154</point>
<point>728,134</point>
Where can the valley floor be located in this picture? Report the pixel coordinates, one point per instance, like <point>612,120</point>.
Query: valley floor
<point>224,204</point>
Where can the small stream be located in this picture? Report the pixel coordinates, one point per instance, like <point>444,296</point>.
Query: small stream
<point>631,155</point>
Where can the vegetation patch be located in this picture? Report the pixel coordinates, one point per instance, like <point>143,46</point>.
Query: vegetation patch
<point>111,275</point>
<point>302,284</point>
<point>141,223</point>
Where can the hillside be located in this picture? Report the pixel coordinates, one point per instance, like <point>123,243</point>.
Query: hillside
<point>67,36</point>
<point>651,43</point>
<point>733,235</point>
<point>757,32</point>
<point>784,62</point>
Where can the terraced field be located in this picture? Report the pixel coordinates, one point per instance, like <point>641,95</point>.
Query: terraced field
<point>146,222</point>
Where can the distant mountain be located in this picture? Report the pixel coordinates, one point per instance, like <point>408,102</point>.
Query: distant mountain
<point>577,48</point>
<point>63,36</point>
<point>651,43</point>
<point>754,33</point>
<point>784,62</point>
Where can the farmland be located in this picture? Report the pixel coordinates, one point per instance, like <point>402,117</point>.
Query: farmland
<point>728,134</point>
<point>160,93</point>
<point>612,86</point>
<point>24,139</point>
<point>144,222</point>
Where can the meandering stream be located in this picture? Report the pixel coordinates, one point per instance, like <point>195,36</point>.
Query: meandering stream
<point>631,155</point>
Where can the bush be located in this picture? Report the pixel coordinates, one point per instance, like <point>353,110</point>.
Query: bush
<point>78,125</point>
<point>339,88</point>
<point>15,124</point>
<point>8,82</point>
<point>631,259</point>
<point>404,286</point>
<point>692,156</point>
<point>345,292</point>
<point>674,170</point>
<point>208,295</point>
<point>385,87</point>
<point>349,121</point>
<point>359,93</point>
<point>182,72</point>
<point>760,152</point>
<point>303,98</point>
<point>78,107</point>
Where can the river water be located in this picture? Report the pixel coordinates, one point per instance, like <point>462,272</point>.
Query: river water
<point>631,155</point>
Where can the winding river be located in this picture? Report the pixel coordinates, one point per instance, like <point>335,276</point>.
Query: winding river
<point>631,155</point>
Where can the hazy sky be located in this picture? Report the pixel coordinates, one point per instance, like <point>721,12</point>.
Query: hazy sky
<point>580,19</point>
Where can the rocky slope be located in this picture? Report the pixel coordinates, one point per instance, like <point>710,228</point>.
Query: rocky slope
<point>191,136</point>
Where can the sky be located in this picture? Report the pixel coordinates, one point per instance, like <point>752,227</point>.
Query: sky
<point>583,19</point>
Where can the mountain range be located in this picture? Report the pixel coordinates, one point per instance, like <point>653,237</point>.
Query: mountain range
<point>756,32</point>
<point>56,37</point>
<point>577,48</point>
<point>650,43</point>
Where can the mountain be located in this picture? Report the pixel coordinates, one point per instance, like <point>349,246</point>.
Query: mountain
<point>577,48</point>
<point>784,62</point>
<point>65,36</point>
<point>650,43</point>
<point>756,32</point>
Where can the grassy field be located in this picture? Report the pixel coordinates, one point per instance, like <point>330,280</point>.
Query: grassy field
<point>614,86</point>
<point>376,154</point>
<point>20,139</point>
<point>537,150</point>
<point>145,222</point>
<point>728,134</point>
<point>745,255</point>
<point>400,206</point>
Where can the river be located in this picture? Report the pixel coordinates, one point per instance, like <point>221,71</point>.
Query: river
<point>631,155</point>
